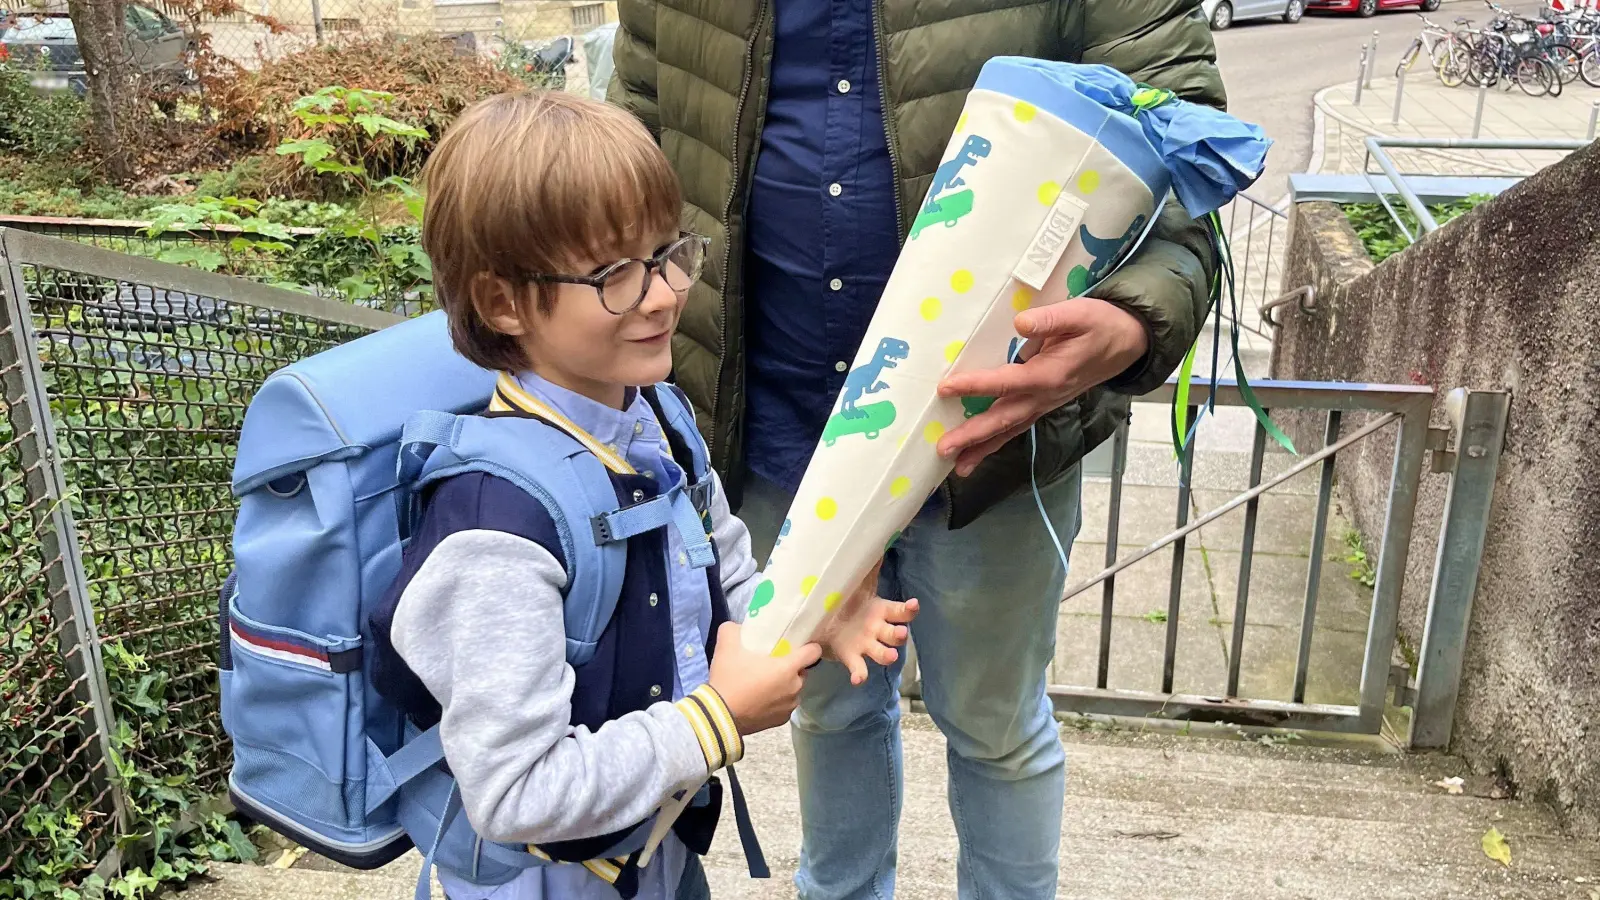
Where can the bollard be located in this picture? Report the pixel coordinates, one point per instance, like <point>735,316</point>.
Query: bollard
<point>1594,119</point>
<point>1372,59</point>
<point>1399,95</point>
<point>1477,117</point>
<point>1361,74</point>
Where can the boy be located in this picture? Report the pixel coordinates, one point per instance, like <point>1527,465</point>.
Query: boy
<point>552,225</point>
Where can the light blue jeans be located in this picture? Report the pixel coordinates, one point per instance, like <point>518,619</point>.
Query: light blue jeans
<point>989,594</point>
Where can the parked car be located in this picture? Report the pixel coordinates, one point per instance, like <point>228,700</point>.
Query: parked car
<point>1370,7</point>
<point>48,44</point>
<point>1223,13</point>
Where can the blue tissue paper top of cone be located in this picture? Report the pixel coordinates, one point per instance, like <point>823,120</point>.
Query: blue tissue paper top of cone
<point>1202,154</point>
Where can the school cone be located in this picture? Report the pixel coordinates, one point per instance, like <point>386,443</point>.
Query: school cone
<point>1048,181</point>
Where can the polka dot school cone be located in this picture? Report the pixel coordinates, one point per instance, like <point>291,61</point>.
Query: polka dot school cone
<point>1048,181</point>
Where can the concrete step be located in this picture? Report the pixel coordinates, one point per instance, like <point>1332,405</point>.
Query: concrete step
<point>1146,815</point>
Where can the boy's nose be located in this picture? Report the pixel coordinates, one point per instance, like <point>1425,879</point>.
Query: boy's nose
<point>659,295</point>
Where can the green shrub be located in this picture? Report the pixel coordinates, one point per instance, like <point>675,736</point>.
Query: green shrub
<point>1383,238</point>
<point>37,124</point>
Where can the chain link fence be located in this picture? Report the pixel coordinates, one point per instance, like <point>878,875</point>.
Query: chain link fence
<point>125,384</point>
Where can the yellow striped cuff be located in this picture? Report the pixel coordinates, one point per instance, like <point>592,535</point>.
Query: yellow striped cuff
<point>713,726</point>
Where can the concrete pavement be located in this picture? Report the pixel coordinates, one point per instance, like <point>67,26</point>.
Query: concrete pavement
<point>1146,815</point>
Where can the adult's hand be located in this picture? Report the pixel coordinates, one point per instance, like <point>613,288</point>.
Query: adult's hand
<point>1072,346</point>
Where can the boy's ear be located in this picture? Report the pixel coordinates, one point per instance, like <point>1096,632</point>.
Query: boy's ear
<point>498,304</point>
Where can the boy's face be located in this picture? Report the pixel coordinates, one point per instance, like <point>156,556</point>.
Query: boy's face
<point>584,347</point>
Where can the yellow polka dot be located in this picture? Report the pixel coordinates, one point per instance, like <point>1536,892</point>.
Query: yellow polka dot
<point>961,281</point>
<point>931,308</point>
<point>827,508</point>
<point>1024,111</point>
<point>1089,182</point>
<point>831,601</point>
<point>899,486</point>
<point>953,350</point>
<point>806,584</point>
<point>961,123</point>
<point>1048,192</point>
<point>782,648</point>
<point>932,432</point>
<point>1021,299</point>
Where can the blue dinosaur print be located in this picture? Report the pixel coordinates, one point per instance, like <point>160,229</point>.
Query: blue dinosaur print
<point>782,533</point>
<point>866,378</point>
<point>948,175</point>
<point>1106,250</point>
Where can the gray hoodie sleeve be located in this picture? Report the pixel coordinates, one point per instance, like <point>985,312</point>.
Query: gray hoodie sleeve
<point>481,625</point>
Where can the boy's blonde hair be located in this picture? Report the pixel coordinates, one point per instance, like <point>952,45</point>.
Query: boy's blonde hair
<point>536,183</point>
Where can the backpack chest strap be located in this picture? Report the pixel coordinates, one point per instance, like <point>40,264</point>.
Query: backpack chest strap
<point>676,506</point>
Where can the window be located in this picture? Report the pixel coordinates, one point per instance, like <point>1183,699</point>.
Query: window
<point>146,22</point>
<point>588,15</point>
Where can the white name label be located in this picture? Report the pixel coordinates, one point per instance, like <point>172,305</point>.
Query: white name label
<point>1047,246</point>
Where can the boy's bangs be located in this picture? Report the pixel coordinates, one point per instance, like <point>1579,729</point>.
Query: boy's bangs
<point>630,195</point>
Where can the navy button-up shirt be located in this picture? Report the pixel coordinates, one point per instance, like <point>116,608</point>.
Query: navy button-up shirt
<point>823,236</point>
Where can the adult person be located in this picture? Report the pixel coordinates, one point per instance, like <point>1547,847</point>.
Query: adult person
<point>803,131</point>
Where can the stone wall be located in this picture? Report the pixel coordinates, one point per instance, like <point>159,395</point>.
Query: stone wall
<point>1505,297</point>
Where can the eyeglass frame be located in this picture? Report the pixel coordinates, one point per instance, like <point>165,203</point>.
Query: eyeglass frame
<point>652,265</point>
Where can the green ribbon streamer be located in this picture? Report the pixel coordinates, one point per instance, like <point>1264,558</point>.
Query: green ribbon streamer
<point>1180,400</point>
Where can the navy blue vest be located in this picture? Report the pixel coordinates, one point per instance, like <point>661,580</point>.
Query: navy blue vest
<point>635,652</point>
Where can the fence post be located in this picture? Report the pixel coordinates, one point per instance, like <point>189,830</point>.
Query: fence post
<point>316,18</point>
<point>1478,419</point>
<point>1399,96</point>
<point>1477,116</point>
<point>1373,62</point>
<point>46,492</point>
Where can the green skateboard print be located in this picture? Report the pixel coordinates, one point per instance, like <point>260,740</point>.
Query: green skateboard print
<point>869,420</point>
<point>763,595</point>
<point>974,405</point>
<point>946,211</point>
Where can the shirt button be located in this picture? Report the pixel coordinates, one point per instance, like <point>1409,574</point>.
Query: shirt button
<point>637,496</point>
<point>650,475</point>
<point>655,690</point>
<point>844,86</point>
<point>689,652</point>
<point>683,559</point>
<point>638,427</point>
<point>654,599</point>
<point>836,284</point>
<point>841,366</point>
<point>834,189</point>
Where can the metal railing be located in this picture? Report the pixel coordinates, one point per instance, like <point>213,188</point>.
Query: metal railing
<point>1259,236</point>
<point>125,383</point>
<point>1377,152</point>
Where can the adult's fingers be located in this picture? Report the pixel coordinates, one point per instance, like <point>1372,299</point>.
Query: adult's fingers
<point>1004,417</point>
<point>1056,319</point>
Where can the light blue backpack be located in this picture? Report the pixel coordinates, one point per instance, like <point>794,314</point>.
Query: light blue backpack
<point>332,456</point>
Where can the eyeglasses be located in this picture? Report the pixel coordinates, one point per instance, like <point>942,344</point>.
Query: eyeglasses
<point>622,285</point>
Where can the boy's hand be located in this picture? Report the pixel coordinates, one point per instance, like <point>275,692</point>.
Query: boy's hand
<point>760,691</point>
<point>868,627</point>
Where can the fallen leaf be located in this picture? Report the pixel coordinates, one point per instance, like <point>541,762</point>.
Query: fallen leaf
<point>1496,848</point>
<point>1149,835</point>
<point>289,858</point>
<point>1450,785</point>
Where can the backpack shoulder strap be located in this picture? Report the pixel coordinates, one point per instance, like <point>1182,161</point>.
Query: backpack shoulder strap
<point>554,469</point>
<point>689,448</point>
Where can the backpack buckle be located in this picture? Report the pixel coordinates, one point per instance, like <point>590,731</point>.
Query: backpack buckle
<point>700,494</point>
